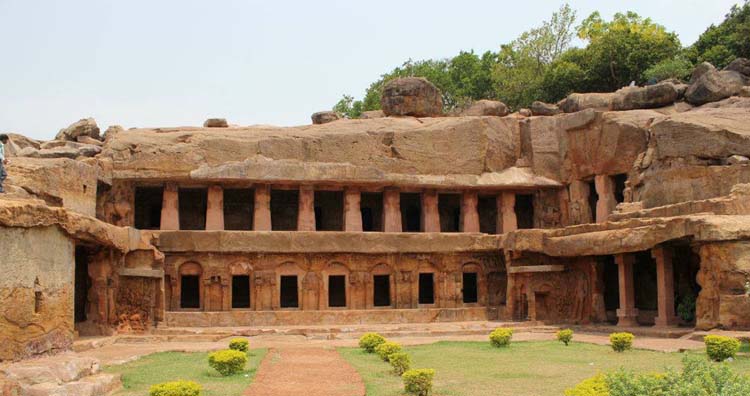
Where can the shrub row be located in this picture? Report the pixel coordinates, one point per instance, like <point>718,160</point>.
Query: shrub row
<point>417,382</point>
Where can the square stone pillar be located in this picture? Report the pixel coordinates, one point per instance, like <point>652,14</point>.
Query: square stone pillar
<point>262,208</point>
<point>580,212</point>
<point>627,314</point>
<point>215,209</point>
<point>352,212</point>
<point>506,210</point>
<point>605,187</point>
<point>430,212</point>
<point>392,211</point>
<point>306,211</point>
<point>170,208</point>
<point>469,214</point>
<point>664,286</point>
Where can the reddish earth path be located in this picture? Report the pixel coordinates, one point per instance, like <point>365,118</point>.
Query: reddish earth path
<point>305,371</point>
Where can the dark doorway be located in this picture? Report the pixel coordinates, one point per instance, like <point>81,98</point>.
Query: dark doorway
<point>329,210</point>
<point>593,199</point>
<point>148,202</point>
<point>449,208</point>
<point>284,210</point>
<point>193,205</point>
<point>470,288</point>
<point>686,264</point>
<point>382,290</point>
<point>371,206</point>
<point>82,283</point>
<point>620,186</point>
<point>289,295</point>
<point>241,291</point>
<point>411,212</point>
<point>239,204</point>
<point>426,288</point>
<point>644,279</point>
<point>611,286</point>
<point>190,291</point>
<point>487,209</point>
<point>336,291</point>
<point>525,211</point>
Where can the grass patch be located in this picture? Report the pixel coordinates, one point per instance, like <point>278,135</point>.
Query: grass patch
<point>537,368</point>
<point>139,375</point>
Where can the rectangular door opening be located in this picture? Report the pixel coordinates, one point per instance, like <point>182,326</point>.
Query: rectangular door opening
<point>289,294</point>
<point>241,291</point>
<point>239,206</point>
<point>411,212</point>
<point>193,205</point>
<point>470,288</point>
<point>336,291</point>
<point>382,290</point>
<point>148,201</point>
<point>427,288</point>
<point>190,291</point>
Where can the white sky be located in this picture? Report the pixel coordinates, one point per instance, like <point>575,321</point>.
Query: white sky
<point>142,63</point>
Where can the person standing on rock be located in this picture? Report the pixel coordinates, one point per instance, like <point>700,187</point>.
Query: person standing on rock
<point>3,160</point>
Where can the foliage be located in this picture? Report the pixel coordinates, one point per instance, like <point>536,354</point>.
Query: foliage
<point>239,344</point>
<point>418,382</point>
<point>677,67</point>
<point>400,361</point>
<point>500,337</point>
<point>594,386</point>
<point>720,348</point>
<point>720,44</point>
<point>387,349</point>
<point>621,341</point>
<point>176,388</point>
<point>686,308</point>
<point>565,336</point>
<point>348,107</point>
<point>561,78</point>
<point>228,361</point>
<point>370,341</point>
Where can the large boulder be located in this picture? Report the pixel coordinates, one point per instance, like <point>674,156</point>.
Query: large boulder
<point>369,115</point>
<point>324,117</point>
<point>544,109</point>
<point>486,108</point>
<point>111,131</point>
<point>411,96</point>
<point>713,86</point>
<point>582,101</point>
<point>742,66</point>
<point>83,127</point>
<point>215,123</point>
<point>700,70</point>
<point>650,97</point>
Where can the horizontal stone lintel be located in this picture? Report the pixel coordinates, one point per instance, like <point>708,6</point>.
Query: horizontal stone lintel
<point>535,268</point>
<point>141,272</point>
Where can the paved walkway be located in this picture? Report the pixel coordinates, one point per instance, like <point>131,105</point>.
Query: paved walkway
<point>305,371</point>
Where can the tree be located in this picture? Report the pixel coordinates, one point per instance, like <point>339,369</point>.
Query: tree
<point>721,44</point>
<point>348,107</point>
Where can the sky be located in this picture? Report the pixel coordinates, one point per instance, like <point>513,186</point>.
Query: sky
<point>149,63</point>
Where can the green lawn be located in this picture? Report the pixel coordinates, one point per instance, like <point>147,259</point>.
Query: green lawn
<point>525,368</point>
<point>139,375</point>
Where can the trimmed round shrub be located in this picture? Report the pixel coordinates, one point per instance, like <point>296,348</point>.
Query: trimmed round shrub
<point>228,361</point>
<point>500,337</point>
<point>387,349</point>
<point>621,341</point>
<point>565,336</point>
<point>175,388</point>
<point>400,361</point>
<point>239,344</point>
<point>720,348</point>
<point>370,341</point>
<point>418,382</point>
<point>594,386</point>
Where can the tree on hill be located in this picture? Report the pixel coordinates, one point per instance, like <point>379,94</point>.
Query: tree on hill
<point>723,43</point>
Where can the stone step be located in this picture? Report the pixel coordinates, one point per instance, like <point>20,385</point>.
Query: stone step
<point>96,385</point>
<point>58,369</point>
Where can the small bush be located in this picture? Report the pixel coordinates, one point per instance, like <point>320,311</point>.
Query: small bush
<point>565,336</point>
<point>720,348</point>
<point>621,341</point>
<point>387,349</point>
<point>228,361</point>
<point>175,388</point>
<point>686,308</point>
<point>370,341</point>
<point>500,337</point>
<point>594,386</point>
<point>400,362</point>
<point>418,382</point>
<point>239,344</point>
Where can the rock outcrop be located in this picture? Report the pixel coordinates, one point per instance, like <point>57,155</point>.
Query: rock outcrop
<point>582,101</point>
<point>544,109</point>
<point>411,96</point>
<point>324,117</point>
<point>83,127</point>
<point>215,123</point>
<point>486,108</point>
<point>742,66</point>
<point>652,96</point>
<point>713,86</point>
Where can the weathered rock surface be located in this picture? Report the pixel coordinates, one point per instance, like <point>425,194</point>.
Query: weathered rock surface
<point>324,117</point>
<point>745,92</point>
<point>486,108</point>
<point>215,123</point>
<point>368,115</point>
<point>582,101</point>
<point>411,96</point>
<point>525,112</point>
<point>700,70</point>
<point>83,127</point>
<point>742,66</point>
<point>112,130</point>
<point>652,96</point>
<point>544,109</point>
<point>713,86</point>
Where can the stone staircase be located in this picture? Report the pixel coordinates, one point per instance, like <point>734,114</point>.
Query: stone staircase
<point>61,375</point>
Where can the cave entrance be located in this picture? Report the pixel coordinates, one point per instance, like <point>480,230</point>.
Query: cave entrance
<point>427,288</point>
<point>371,206</point>
<point>239,204</point>
<point>241,291</point>
<point>190,291</point>
<point>381,290</point>
<point>289,294</point>
<point>611,287</point>
<point>337,290</point>
<point>470,287</point>
<point>686,265</point>
<point>487,209</point>
<point>593,199</point>
<point>81,287</point>
<point>148,201</point>
<point>619,181</point>
<point>449,208</point>
<point>329,210</point>
<point>644,281</point>
<point>524,209</point>
<point>284,210</point>
<point>411,212</point>
<point>193,203</point>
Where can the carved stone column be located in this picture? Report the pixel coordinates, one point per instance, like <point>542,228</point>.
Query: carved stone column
<point>430,212</point>
<point>507,207</point>
<point>469,214</point>
<point>627,314</point>
<point>262,208</point>
<point>170,208</point>
<point>580,212</point>
<point>605,187</point>
<point>306,216</point>
<point>392,211</point>
<point>664,286</point>
<point>215,209</point>
<point>352,212</point>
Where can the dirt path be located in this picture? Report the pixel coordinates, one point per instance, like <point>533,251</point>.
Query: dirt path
<point>305,371</point>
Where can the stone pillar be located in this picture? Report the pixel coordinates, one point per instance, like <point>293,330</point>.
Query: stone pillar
<point>170,208</point>
<point>306,211</point>
<point>352,212</point>
<point>469,214</point>
<point>580,212</point>
<point>215,209</point>
<point>506,210</point>
<point>430,213</point>
<point>664,286</point>
<point>262,208</point>
<point>605,187</point>
<point>392,211</point>
<point>627,314</point>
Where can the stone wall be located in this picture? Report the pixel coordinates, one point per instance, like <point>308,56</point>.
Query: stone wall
<point>37,290</point>
<point>723,301</point>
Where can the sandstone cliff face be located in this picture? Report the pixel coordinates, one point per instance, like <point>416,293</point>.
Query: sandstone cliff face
<point>723,301</point>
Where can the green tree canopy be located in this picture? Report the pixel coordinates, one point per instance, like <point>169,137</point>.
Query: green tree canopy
<point>730,39</point>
